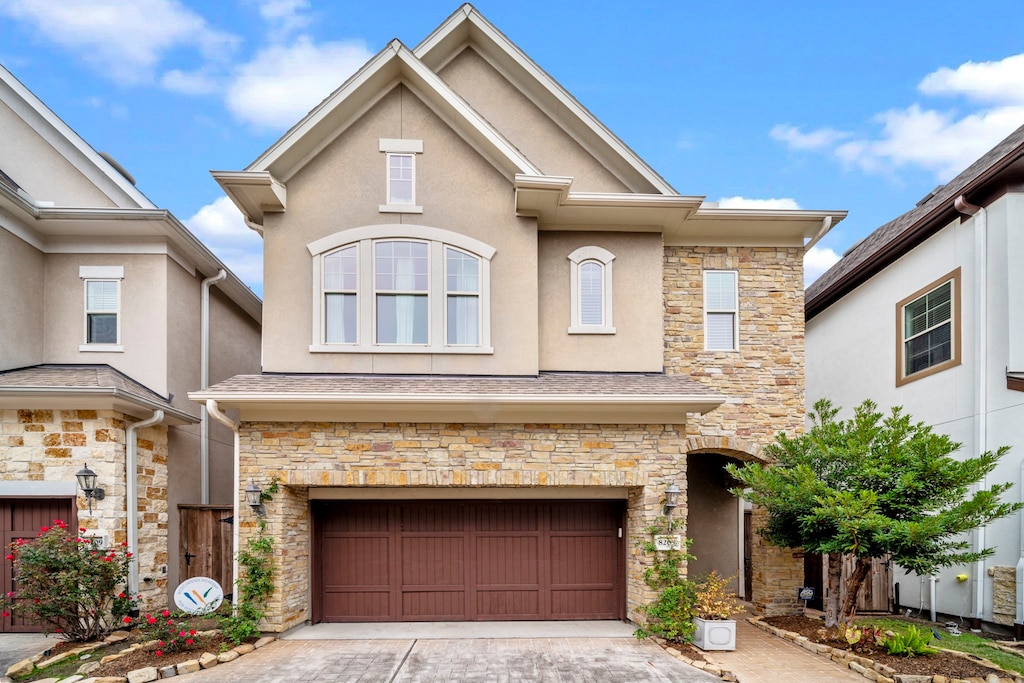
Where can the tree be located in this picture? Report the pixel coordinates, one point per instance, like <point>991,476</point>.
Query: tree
<point>868,487</point>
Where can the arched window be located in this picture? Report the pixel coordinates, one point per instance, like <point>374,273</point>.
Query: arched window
<point>401,288</point>
<point>591,291</point>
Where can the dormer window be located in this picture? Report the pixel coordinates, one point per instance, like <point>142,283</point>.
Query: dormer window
<point>400,156</point>
<point>401,289</point>
<point>590,290</point>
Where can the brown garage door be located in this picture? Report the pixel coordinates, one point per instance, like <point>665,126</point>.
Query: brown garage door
<point>22,518</point>
<point>468,560</point>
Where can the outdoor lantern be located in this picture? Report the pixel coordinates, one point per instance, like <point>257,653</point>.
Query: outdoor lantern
<point>87,482</point>
<point>254,497</point>
<point>671,499</point>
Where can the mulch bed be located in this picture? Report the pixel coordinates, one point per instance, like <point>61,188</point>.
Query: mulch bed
<point>943,663</point>
<point>147,657</point>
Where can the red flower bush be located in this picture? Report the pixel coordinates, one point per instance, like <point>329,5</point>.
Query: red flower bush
<point>69,583</point>
<point>172,634</point>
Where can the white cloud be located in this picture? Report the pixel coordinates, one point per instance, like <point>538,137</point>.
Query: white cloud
<point>201,82</point>
<point>816,261</point>
<point>745,203</point>
<point>220,227</point>
<point>284,16</point>
<point>936,141</point>
<point>125,38</point>
<point>282,83</point>
<point>944,142</point>
<point>999,82</point>
<point>815,139</point>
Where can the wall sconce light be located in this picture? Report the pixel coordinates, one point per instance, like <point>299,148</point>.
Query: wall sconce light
<point>671,499</point>
<point>254,497</point>
<point>87,482</point>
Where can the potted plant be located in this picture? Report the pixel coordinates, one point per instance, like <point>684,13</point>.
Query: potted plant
<point>714,605</point>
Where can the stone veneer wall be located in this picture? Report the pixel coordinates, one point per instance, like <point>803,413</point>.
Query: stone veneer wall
<point>764,378</point>
<point>641,458</point>
<point>1004,595</point>
<point>51,445</point>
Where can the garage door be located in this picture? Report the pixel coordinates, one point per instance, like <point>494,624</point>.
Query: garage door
<point>468,560</point>
<point>22,518</point>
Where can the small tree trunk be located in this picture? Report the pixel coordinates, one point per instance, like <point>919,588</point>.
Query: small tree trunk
<point>853,585</point>
<point>835,574</point>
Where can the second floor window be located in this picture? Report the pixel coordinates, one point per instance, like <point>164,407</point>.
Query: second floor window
<point>102,307</point>
<point>721,310</point>
<point>400,168</point>
<point>929,329</point>
<point>385,292</point>
<point>590,291</point>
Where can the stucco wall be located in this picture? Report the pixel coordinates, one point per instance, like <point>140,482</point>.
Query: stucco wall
<point>22,271</point>
<point>144,333</point>
<point>714,523</point>
<point>41,170</point>
<point>637,344</point>
<point>538,134</point>
<point>344,186</point>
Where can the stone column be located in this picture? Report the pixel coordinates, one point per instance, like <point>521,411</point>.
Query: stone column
<point>777,573</point>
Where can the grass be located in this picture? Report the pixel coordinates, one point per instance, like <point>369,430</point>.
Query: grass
<point>966,642</point>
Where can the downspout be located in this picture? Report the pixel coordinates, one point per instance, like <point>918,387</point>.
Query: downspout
<point>214,410</point>
<point>132,485</point>
<point>204,382</point>
<point>826,225</point>
<point>980,216</point>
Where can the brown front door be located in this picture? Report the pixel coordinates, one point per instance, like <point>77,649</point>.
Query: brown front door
<point>468,560</point>
<point>205,543</point>
<point>23,518</point>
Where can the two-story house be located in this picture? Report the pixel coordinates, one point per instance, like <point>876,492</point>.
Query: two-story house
<point>494,338</point>
<point>930,309</point>
<point>111,312</point>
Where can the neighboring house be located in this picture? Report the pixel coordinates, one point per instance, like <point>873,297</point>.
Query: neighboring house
<point>494,337</point>
<point>100,332</point>
<point>927,313</point>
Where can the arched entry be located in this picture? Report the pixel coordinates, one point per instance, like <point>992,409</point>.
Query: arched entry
<point>718,522</point>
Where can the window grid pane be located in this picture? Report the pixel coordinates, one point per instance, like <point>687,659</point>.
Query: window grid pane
<point>931,348</point>
<point>341,270</point>
<point>934,308</point>
<point>402,319</point>
<point>464,320</point>
<point>401,267</point>
<point>101,295</point>
<point>720,331</point>
<point>591,294</point>
<point>462,271</point>
<point>400,178</point>
<point>721,291</point>
<point>101,328</point>
<point>342,313</point>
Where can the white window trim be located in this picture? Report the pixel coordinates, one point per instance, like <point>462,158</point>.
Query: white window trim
<point>100,274</point>
<point>366,296</point>
<point>576,261</point>
<point>735,310</point>
<point>397,147</point>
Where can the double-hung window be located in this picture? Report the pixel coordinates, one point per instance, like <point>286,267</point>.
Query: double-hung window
<point>721,310</point>
<point>929,325</point>
<point>401,289</point>
<point>400,165</point>
<point>102,307</point>
<point>590,291</point>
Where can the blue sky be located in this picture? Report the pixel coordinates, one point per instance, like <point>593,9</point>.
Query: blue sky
<point>861,106</point>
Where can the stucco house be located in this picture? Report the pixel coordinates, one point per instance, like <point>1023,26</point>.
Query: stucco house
<point>103,331</point>
<point>930,308</point>
<point>494,337</point>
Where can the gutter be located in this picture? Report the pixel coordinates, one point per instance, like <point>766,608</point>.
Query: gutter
<point>132,502</point>
<point>98,391</point>
<point>980,216</point>
<point>215,412</point>
<point>204,382</point>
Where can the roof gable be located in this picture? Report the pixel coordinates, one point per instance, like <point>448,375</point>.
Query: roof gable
<point>468,27</point>
<point>94,167</point>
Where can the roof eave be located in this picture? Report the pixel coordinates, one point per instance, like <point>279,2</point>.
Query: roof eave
<point>84,398</point>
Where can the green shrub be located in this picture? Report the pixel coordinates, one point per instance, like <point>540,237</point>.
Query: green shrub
<point>69,583</point>
<point>671,615</point>
<point>912,643</point>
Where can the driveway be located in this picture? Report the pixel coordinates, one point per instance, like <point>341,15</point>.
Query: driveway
<point>15,647</point>
<point>483,660</point>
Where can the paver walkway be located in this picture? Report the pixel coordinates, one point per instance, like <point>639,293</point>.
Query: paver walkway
<point>484,660</point>
<point>761,657</point>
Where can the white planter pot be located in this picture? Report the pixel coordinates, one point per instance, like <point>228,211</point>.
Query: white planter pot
<point>715,634</point>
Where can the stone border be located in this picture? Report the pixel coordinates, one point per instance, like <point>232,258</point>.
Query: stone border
<point>696,663</point>
<point>206,660</point>
<point>881,673</point>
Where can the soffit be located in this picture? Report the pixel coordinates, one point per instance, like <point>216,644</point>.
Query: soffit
<point>549,397</point>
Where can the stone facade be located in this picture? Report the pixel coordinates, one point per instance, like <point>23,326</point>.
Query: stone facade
<point>764,380</point>
<point>1004,595</point>
<point>644,459</point>
<point>52,445</point>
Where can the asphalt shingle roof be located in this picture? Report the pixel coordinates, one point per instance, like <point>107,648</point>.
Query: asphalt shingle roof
<point>88,378</point>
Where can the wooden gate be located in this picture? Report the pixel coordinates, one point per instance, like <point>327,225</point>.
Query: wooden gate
<point>876,591</point>
<point>22,518</point>
<point>205,543</point>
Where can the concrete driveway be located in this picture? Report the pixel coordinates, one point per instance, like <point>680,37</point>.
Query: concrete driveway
<point>483,660</point>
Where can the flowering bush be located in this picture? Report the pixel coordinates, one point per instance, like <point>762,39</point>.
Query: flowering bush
<point>69,583</point>
<point>169,630</point>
